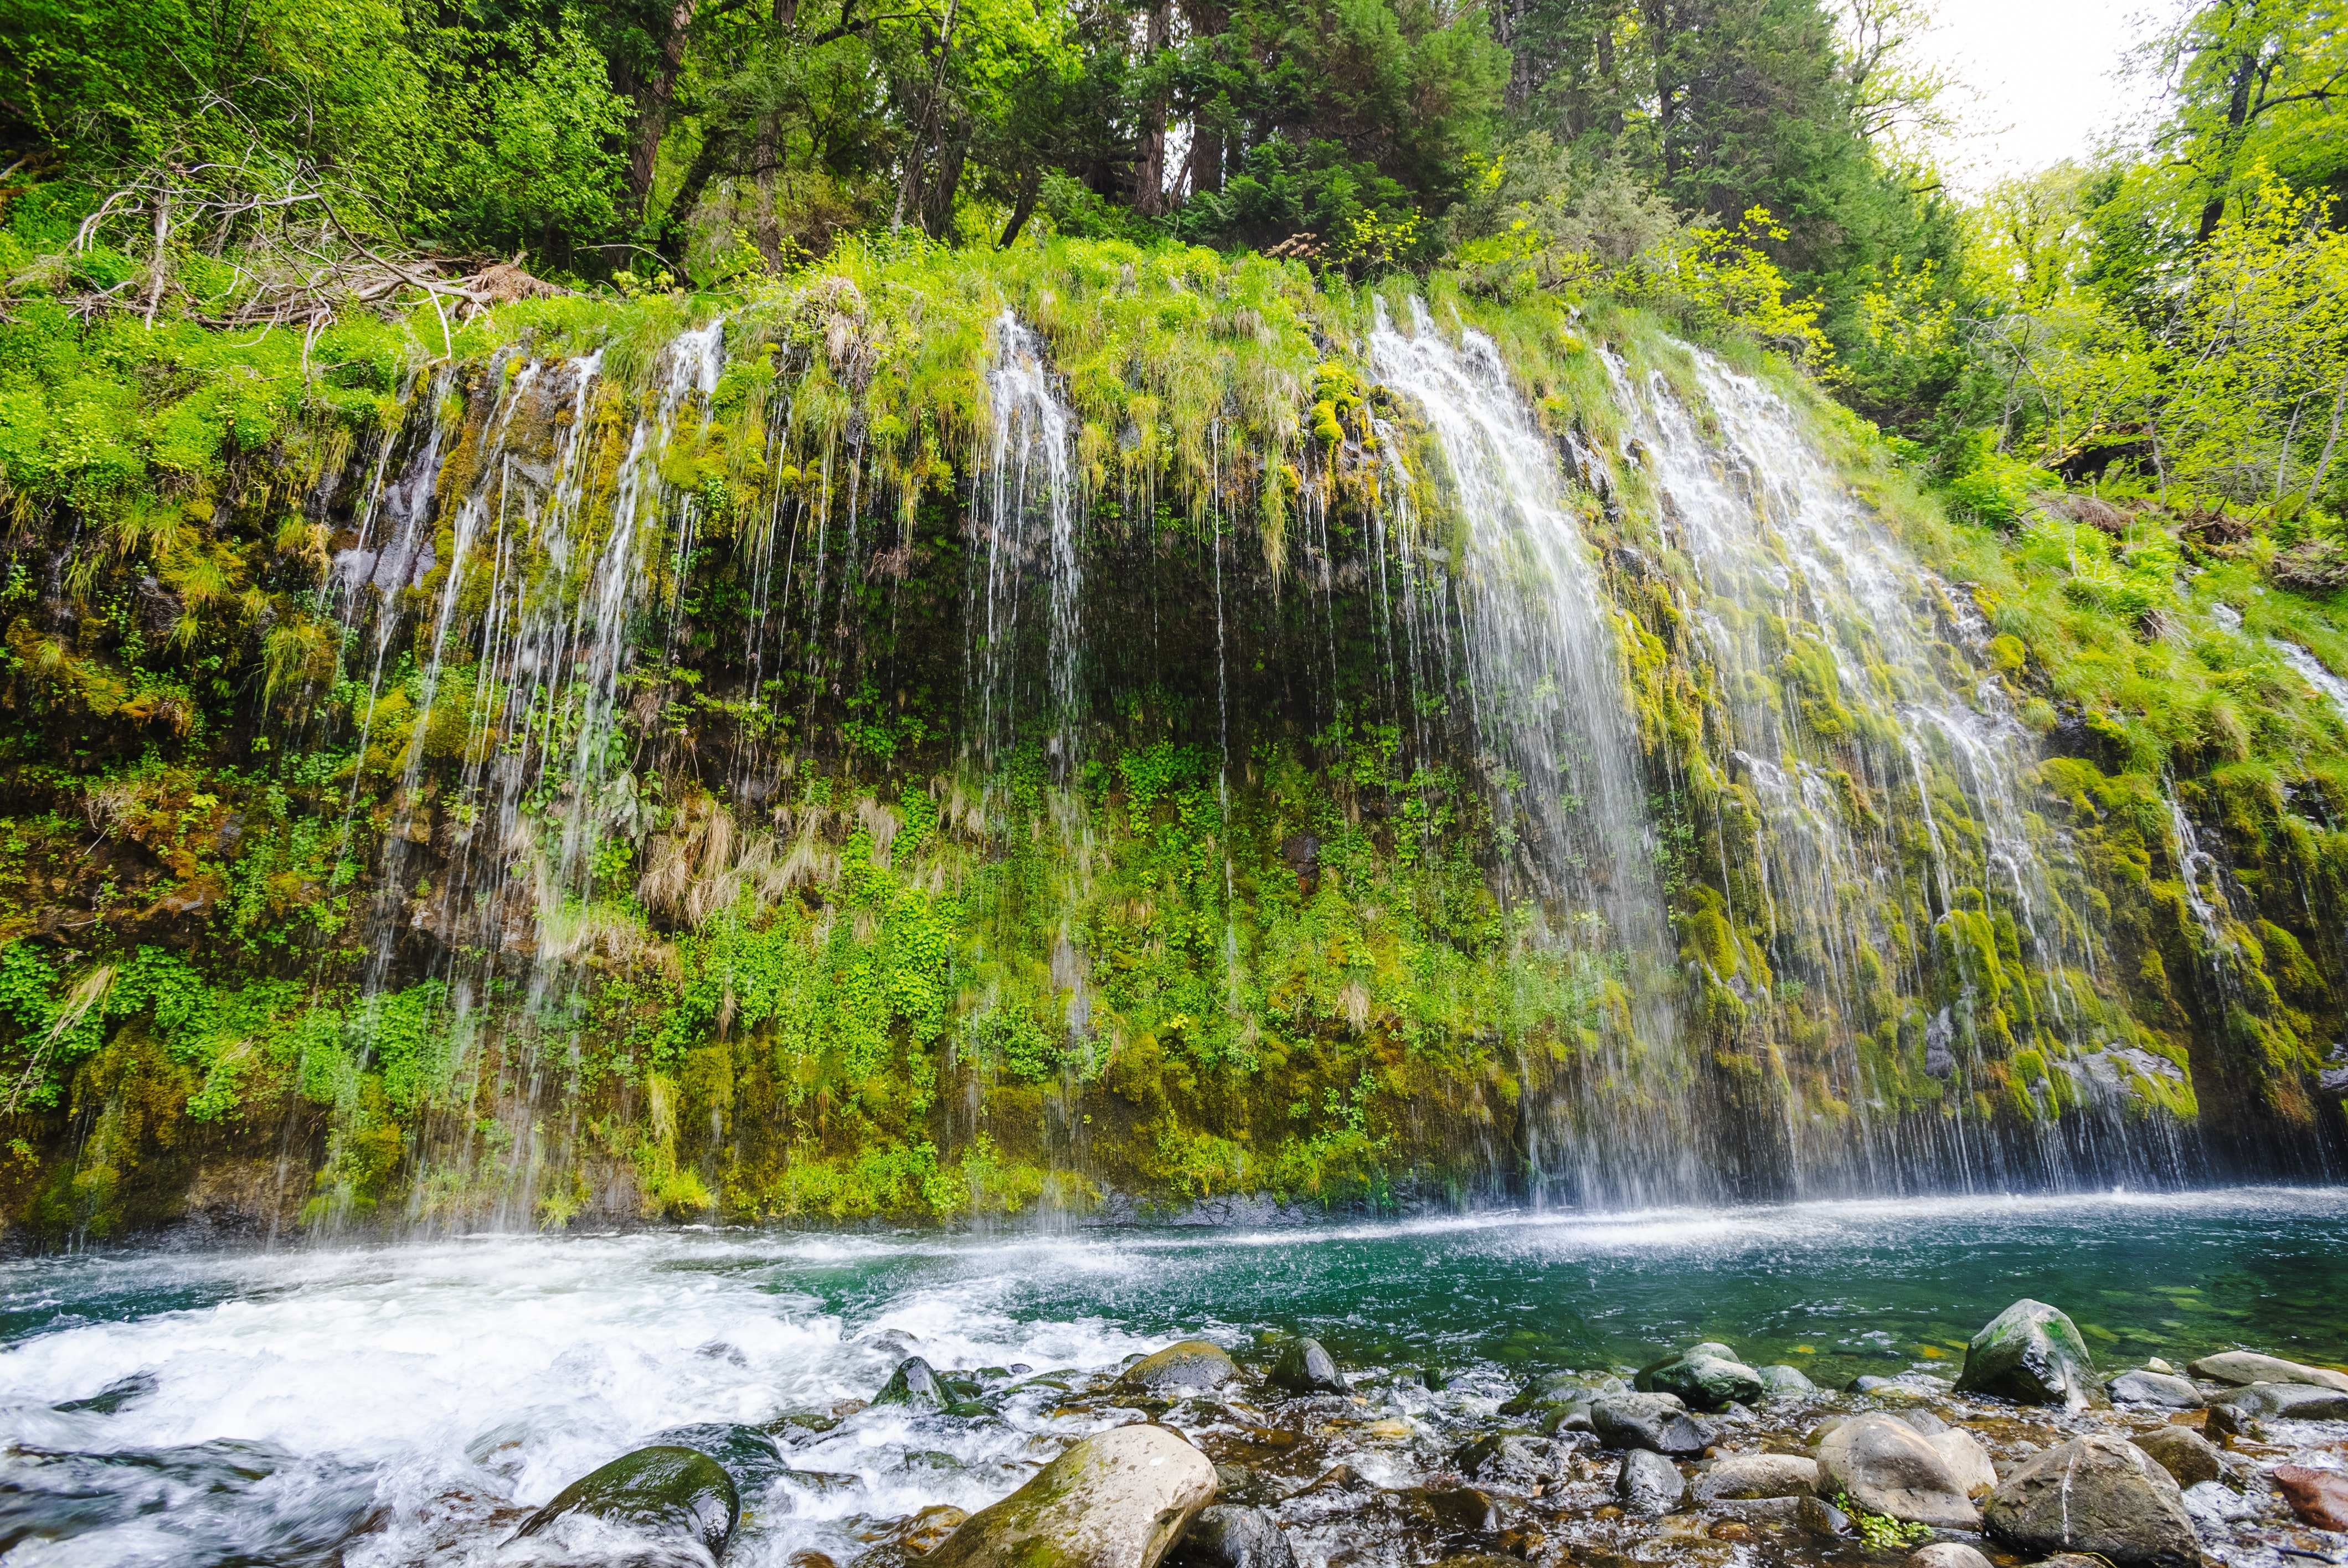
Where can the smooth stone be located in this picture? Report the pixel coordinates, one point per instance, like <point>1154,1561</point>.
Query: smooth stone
<point>2292,1402</point>
<point>1819,1517</point>
<point>2155,1388</point>
<point>2240,1367</point>
<point>2320,1497</point>
<point>1648,1483</point>
<point>1118,1499</point>
<point>1702,1380</point>
<point>1186,1368</point>
<point>2212,1503</point>
<point>2155,1364</point>
<point>751,1457</point>
<point>2032,1354</point>
<point>914,1382</point>
<point>1225,1536</point>
<point>1781,1381</point>
<point>1947,1555</point>
<point>1888,1466</point>
<point>1926,1423</point>
<point>1561,1388</point>
<point>1513,1459</point>
<point>1655,1422</point>
<point>2189,1458</point>
<point>1305,1368</point>
<point>1758,1475</point>
<point>1966,1458</point>
<point>1713,1348</point>
<point>671,1493</point>
<point>2098,1494</point>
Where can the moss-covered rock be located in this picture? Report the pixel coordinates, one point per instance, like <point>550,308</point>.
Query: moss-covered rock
<point>667,1492</point>
<point>1119,1499</point>
<point>2031,1353</point>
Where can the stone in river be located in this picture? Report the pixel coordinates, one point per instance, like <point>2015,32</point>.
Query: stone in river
<point>1887,1467</point>
<point>2292,1402</point>
<point>1648,1483</point>
<point>1758,1475</point>
<point>1186,1368</point>
<point>1118,1499</point>
<point>1658,1423</point>
<point>1819,1517</point>
<point>1513,1459</point>
<point>1236,1483</point>
<point>2189,1458</point>
<point>671,1493</point>
<point>2320,1497</point>
<point>749,1455</point>
<point>1782,1382</point>
<point>1305,1368</point>
<point>1703,1377</point>
<point>2168,1393</point>
<point>1225,1536</point>
<point>2032,1354</point>
<point>915,1383</point>
<point>2098,1494</point>
<point>1966,1458</point>
<point>2249,1367</point>
<point>1947,1555</point>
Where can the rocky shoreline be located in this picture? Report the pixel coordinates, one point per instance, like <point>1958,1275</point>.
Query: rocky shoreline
<point>1279,1458</point>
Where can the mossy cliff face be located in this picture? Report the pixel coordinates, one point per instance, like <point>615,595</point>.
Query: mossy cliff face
<point>945,737</point>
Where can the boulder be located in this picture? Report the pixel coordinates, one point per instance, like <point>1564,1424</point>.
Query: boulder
<point>916,1383</point>
<point>1648,1483</point>
<point>1701,1379</point>
<point>1225,1536</point>
<point>1947,1555</point>
<point>2156,1390</point>
<point>1888,1466</point>
<point>1658,1423</point>
<point>1186,1369</point>
<point>1118,1499</point>
<point>2189,1458</point>
<point>1305,1368</point>
<point>1561,1388</point>
<point>2292,1402</point>
<point>1966,1458</point>
<point>2032,1354</point>
<point>2098,1494</point>
<point>1819,1517</point>
<point>2240,1367</point>
<point>1925,1423</point>
<point>669,1492</point>
<point>1513,1459</point>
<point>751,1457</point>
<point>1457,1509</point>
<point>1758,1475</point>
<point>2320,1497</point>
<point>1784,1382</point>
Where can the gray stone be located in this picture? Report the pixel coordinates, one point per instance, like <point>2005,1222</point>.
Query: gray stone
<point>669,1493</point>
<point>1305,1368</point>
<point>1225,1536</point>
<point>2032,1354</point>
<point>1648,1483</point>
<point>1966,1458</point>
<point>1550,1388</point>
<point>1658,1423</point>
<point>1701,1379</point>
<point>749,1455</point>
<point>1183,1368</point>
<point>1758,1475</point>
<point>1784,1382</point>
<point>914,1382</point>
<point>1513,1459</point>
<point>1947,1555</point>
<point>2154,1389</point>
<point>1925,1423</point>
<point>2189,1458</point>
<point>2240,1366</point>
<point>1886,1466</point>
<point>1118,1499</point>
<point>1236,1483</point>
<point>2292,1402</point>
<point>1819,1517</point>
<point>2098,1494</point>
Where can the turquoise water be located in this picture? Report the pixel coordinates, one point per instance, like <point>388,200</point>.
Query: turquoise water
<point>398,1405</point>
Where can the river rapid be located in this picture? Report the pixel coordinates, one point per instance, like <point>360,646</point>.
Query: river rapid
<point>382,1405</point>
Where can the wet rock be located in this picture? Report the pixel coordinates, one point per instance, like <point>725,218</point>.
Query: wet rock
<point>1658,1423</point>
<point>1703,1377</point>
<point>809,1558</point>
<point>1819,1517</point>
<point>1236,1483</point>
<point>1513,1459</point>
<point>925,1531</point>
<point>1553,1388</point>
<point>1305,1368</point>
<point>2154,1389</point>
<point>1782,1382</point>
<point>2225,1422</point>
<point>820,1482</point>
<point>1947,1555</point>
<point>914,1382</point>
<point>1118,1499</point>
<point>1648,1483</point>
<point>1886,1466</point>
<point>2216,1505</point>
<point>2098,1494</point>
<point>1459,1510</point>
<point>1225,1536</point>
<point>1758,1475</point>
<point>2189,1458</point>
<point>749,1455</point>
<point>2240,1367</point>
<point>671,1493</point>
<point>1966,1458</point>
<point>2292,1402</point>
<point>2032,1354</point>
<point>1337,1480</point>
<point>1184,1368</point>
<point>111,1398</point>
<point>2320,1497</point>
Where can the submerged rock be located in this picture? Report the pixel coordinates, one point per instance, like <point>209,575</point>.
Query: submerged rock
<point>916,1383</point>
<point>2032,1354</point>
<point>2189,1458</point>
<point>1758,1475</point>
<point>1819,1517</point>
<point>2156,1388</point>
<point>1947,1555</point>
<point>1236,1483</point>
<point>669,1492</point>
<point>2320,1497</point>
<point>2292,1402</point>
<point>1658,1423</point>
<point>1648,1483</point>
<point>2240,1366</point>
<point>1187,1368</point>
<point>1305,1368</point>
<point>111,1400</point>
<point>1550,1388</point>
<point>1116,1500</point>
<point>1781,1381</point>
<point>1704,1377</point>
<point>1887,1467</point>
<point>1225,1536</point>
<point>749,1455</point>
<point>1513,1459</point>
<point>2098,1494</point>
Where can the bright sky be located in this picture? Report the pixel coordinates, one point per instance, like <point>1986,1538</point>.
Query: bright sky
<point>2042,75</point>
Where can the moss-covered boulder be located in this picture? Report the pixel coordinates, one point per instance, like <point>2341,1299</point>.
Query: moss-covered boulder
<point>1886,1466</point>
<point>1302,1366</point>
<point>669,1492</point>
<point>1191,1367</point>
<point>753,1458</point>
<point>916,1383</point>
<point>1116,1500</point>
<point>1704,1377</point>
<point>2032,1354</point>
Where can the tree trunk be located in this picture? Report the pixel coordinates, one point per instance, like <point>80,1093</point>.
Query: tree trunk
<point>652,102</point>
<point>1030,185</point>
<point>1149,164</point>
<point>2238,110</point>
